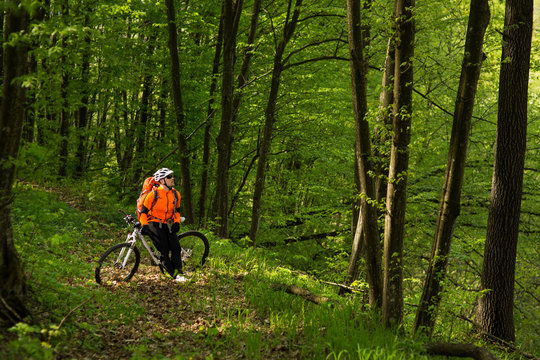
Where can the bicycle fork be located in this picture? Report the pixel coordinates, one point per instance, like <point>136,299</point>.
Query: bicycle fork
<point>126,258</point>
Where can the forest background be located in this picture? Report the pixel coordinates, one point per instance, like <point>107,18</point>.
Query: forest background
<point>106,106</point>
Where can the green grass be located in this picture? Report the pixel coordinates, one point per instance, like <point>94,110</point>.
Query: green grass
<point>227,311</point>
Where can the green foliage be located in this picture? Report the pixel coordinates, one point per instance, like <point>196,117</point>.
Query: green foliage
<point>309,187</point>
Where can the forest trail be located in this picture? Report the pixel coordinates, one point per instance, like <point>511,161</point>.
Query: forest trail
<point>177,320</point>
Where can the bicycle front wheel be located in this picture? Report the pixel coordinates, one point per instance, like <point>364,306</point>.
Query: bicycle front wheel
<point>195,249</point>
<point>118,264</point>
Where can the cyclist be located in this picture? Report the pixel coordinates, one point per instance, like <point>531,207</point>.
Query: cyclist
<point>160,216</point>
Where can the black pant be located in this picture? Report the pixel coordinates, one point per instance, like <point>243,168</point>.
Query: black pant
<point>168,246</point>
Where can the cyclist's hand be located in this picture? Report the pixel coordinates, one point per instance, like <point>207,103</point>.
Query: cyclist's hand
<point>175,227</point>
<point>145,229</point>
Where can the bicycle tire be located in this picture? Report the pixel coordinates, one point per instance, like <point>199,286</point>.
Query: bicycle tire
<point>195,250</point>
<point>110,271</point>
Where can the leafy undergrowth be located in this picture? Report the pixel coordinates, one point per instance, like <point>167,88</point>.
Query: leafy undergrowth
<point>228,310</point>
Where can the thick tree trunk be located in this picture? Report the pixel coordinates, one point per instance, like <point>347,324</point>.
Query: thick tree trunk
<point>495,310</point>
<point>455,167</point>
<point>187,194</point>
<point>368,214</point>
<point>12,279</point>
<point>264,150</point>
<point>225,137</point>
<point>396,196</point>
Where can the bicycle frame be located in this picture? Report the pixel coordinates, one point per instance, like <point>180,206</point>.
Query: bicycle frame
<point>136,235</point>
<point>132,239</point>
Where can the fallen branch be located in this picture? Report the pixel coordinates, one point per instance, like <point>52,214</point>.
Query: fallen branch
<point>306,294</point>
<point>459,350</point>
<point>73,310</point>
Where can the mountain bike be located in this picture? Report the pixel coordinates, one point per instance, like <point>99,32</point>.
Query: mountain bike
<point>121,261</point>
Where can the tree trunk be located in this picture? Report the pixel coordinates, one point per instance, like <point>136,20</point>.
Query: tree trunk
<point>243,76</point>
<point>368,213</point>
<point>187,196</point>
<point>82,111</point>
<point>264,150</point>
<point>225,137</point>
<point>12,279</point>
<point>495,310</point>
<point>246,59</point>
<point>208,127</point>
<point>396,196</point>
<point>64,130</point>
<point>449,206</point>
<point>382,133</point>
<point>64,108</point>
<point>141,128</point>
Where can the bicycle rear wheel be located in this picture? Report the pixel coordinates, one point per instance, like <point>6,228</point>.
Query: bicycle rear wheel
<point>195,249</point>
<point>119,263</point>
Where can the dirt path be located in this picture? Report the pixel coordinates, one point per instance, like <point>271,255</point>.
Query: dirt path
<point>200,319</point>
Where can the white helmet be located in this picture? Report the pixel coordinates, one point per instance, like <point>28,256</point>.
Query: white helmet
<point>162,173</point>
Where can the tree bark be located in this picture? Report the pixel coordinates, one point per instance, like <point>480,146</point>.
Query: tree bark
<point>495,311</point>
<point>225,137</point>
<point>64,111</point>
<point>368,214</point>
<point>207,129</point>
<point>449,205</point>
<point>82,111</point>
<point>187,194</point>
<point>144,115</point>
<point>12,278</point>
<point>383,128</point>
<point>264,150</point>
<point>396,196</point>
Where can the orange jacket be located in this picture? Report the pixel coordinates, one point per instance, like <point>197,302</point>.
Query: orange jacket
<point>161,209</point>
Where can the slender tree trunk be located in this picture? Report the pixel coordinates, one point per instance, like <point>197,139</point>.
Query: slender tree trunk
<point>243,76</point>
<point>246,59</point>
<point>207,130</point>
<point>187,196</point>
<point>64,130</point>
<point>82,112</point>
<point>64,112</point>
<point>145,111</point>
<point>14,56</point>
<point>368,214</point>
<point>396,196</point>
<point>495,310</point>
<point>449,205</point>
<point>264,150</point>
<point>225,137</point>
<point>383,128</point>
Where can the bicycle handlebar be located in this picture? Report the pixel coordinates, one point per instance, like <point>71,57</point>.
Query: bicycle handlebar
<point>129,219</point>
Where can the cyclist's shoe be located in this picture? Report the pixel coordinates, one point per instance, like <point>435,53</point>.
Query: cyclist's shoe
<point>180,278</point>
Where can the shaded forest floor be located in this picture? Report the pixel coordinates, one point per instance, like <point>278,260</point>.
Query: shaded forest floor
<point>174,321</point>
